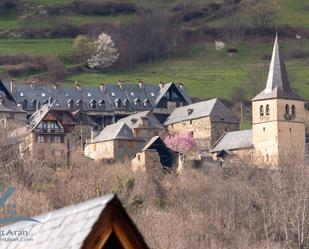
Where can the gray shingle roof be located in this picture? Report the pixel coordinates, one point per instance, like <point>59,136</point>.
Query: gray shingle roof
<point>65,228</point>
<point>10,106</point>
<point>109,93</point>
<point>114,132</point>
<point>135,120</point>
<point>278,85</point>
<point>234,140</point>
<point>213,108</point>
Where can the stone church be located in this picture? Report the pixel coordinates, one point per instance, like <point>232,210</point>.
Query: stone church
<point>278,122</point>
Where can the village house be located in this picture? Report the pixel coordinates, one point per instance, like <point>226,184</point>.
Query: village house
<point>53,133</point>
<point>105,104</point>
<point>10,114</point>
<point>154,155</point>
<point>115,142</point>
<point>206,120</point>
<point>144,125</point>
<point>278,121</point>
<point>100,223</point>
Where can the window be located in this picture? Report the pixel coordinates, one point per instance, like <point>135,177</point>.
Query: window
<point>118,103</point>
<point>33,103</point>
<point>191,122</point>
<point>24,104</point>
<point>40,139</point>
<point>102,104</point>
<point>93,104</point>
<point>137,102</point>
<point>56,139</point>
<point>146,102</point>
<point>126,103</point>
<point>261,111</point>
<point>138,157</point>
<point>71,103</point>
<point>287,109</point>
<point>79,104</point>
<point>293,111</point>
<point>267,110</point>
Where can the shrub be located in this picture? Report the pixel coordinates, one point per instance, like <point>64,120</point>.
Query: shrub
<point>8,5</point>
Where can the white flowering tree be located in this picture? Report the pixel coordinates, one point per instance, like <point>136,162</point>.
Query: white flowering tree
<point>106,54</point>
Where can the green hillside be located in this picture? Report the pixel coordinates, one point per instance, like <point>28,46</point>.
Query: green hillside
<point>205,71</point>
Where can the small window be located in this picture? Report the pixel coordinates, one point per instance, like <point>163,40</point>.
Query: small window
<point>261,111</point>
<point>24,104</point>
<point>263,128</point>
<point>190,122</point>
<point>33,103</point>
<point>71,103</point>
<point>93,104</point>
<point>57,139</point>
<point>287,110</point>
<point>21,94</point>
<point>137,102</point>
<point>43,94</point>
<point>126,103</point>
<point>267,110</point>
<point>79,103</point>
<point>102,104</point>
<point>40,139</point>
<point>138,157</point>
<point>293,110</point>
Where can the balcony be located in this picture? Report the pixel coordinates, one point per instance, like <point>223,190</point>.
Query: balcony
<point>49,130</point>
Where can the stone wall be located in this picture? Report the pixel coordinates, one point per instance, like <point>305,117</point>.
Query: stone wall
<point>146,133</point>
<point>147,158</point>
<point>204,130</point>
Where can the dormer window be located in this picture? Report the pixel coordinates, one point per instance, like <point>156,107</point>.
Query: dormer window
<point>102,104</point>
<point>146,102</point>
<point>24,104</point>
<point>293,110</point>
<point>33,103</point>
<point>126,103</point>
<point>38,105</point>
<point>137,102</point>
<point>118,103</point>
<point>79,104</point>
<point>267,110</point>
<point>71,103</point>
<point>93,104</point>
<point>261,111</point>
<point>287,110</point>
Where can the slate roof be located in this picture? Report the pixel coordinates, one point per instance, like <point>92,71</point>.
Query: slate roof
<point>234,140</point>
<point>10,106</point>
<point>109,93</point>
<point>278,85</point>
<point>213,108</point>
<point>135,120</point>
<point>39,115</point>
<point>65,228</point>
<point>115,132</point>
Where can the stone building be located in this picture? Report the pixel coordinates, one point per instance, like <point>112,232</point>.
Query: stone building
<point>105,104</point>
<point>155,154</point>
<point>144,125</point>
<point>10,114</point>
<point>278,125</point>
<point>206,120</point>
<point>100,223</point>
<point>115,142</point>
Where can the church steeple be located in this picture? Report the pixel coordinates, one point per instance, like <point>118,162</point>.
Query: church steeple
<point>278,85</point>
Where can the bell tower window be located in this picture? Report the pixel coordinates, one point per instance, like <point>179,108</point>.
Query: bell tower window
<point>267,110</point>
<point>293,111</point>
<point>261,111</point>
<point>287,110</point>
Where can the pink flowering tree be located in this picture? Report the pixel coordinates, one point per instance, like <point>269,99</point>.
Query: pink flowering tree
<point>182,142</point>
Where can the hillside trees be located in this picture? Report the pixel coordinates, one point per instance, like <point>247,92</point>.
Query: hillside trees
<point>106,53</point>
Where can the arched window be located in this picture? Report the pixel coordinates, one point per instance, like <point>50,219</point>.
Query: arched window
<point>71,103</point>
<point>267,110</point>
<point>261,111</point>
<point>287,110</point>
<point>93,104</point>
<point>102,104</point>
<point>293,110</point>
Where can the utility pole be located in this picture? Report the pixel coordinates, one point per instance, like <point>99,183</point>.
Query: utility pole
<point>241,115</point>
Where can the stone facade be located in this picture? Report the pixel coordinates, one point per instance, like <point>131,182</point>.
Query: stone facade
<point>144,159</point>
<point>113,150</point>
<point>204,130</point>
<point>278,135</point>
<point>148,133</point>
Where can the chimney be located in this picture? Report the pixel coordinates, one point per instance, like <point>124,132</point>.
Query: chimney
<point>181,86</point>
<point>78,86</point>
<point>102,87</point>
<point>141,84</point>
<point>12,87</point>
<point>161,85</point>
<point>120,84</point>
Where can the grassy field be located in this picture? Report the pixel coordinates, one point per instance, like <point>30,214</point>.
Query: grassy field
<point>210,73</point>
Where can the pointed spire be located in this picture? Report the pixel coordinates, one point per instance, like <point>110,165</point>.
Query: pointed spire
<point>277,75</point>
<point>278,85</point>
